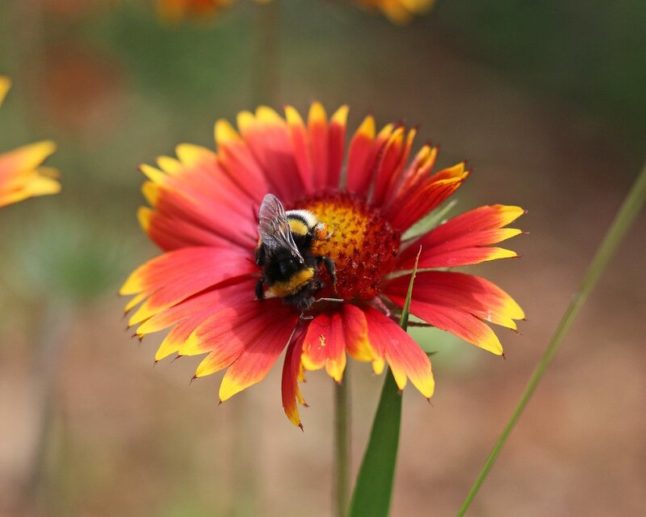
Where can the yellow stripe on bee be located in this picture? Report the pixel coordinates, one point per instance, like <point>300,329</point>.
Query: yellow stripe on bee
<point>293,284</point>
<point>298,227</point>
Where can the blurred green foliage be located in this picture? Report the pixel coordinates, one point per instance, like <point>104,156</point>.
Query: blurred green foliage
<point>591,54</point>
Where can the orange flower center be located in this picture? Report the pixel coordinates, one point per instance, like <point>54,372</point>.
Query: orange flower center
<point>362,244</point>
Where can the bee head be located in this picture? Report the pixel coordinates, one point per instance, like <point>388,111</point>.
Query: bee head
<point>321,232</point>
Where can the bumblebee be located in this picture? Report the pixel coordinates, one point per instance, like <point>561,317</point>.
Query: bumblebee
<point>284,252</point>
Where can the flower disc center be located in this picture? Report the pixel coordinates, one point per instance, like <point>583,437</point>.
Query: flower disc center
<point>362,244</point>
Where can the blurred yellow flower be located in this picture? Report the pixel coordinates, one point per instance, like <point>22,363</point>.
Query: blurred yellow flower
<point>21,174</point>
<point>398,11</point>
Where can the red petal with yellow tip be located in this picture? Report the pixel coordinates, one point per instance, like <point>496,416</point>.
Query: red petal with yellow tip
<point>292,374</point>
<point>336,146</point>
<point>171,233</point>
<point>410,206</point>
<point>268,138</point>
<point>391,164</point>
<point>324,345</point>
<point>174,204</point>
<point>361,156</point>
<point>469,293</point>
<point>464,239</point>
<point>201,305</point>
<point>238,162</point>
<point>199,192</point>
<point>459,303</point>
<point>356,337</point>
<point>317,128</point>
<point>417,171</point>
<point>177,275</point>
<point>404,356</point>
<point>260,354</point>
<point>229,333</point>
<point>300,142</point>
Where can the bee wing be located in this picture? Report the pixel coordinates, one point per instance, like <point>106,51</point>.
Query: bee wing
<point>273,227</point>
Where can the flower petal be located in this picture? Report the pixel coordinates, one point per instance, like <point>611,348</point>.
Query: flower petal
<point>465,239</point>
<point>259,355</point>
<point>177,275</point>
<point>186,316</point>
<point>391,164</point>
<point>336,146</point>
<point>22,177</point>
<point>24,159</point>
<point>459,303</point>
<point>413,204</point>
<point>419,169</point>
<point>199,193</point>
<point>5,85</point>
<point>357,341</point>
<point>292,375</point>
<point>200,305</point>
<point>405,358</point>
<point>469,293</point>
<point>317,127</point>
<point>267,136</point>
<point>171,233</point>
<point>300,141</point>
<point>324,345</point>
<point>237,160</point>
<point>226,334</point>
<point>361,157</point>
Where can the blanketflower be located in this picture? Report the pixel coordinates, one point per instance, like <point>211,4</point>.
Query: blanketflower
<point>203,216</point>
<point>399,11</point>
<point>21,173</point>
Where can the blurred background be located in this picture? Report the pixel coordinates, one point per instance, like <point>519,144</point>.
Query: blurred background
<point>546,102</point>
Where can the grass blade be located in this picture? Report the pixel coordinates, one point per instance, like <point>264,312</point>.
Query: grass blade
<point>624,218</point>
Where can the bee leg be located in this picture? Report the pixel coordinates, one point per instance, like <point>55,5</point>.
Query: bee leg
<point>260,289</point>
<point>331,269</point>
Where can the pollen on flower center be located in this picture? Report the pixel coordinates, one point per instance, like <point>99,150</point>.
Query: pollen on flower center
<point>362,244</point>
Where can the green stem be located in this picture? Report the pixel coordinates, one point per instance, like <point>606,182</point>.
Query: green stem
<point>622,222</point>
<point>342,445</point>
<point>378,467</point>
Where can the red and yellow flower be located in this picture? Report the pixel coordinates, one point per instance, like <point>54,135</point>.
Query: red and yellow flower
<point>368,193</point>
<point>399,11</point>
<point>21,172</point>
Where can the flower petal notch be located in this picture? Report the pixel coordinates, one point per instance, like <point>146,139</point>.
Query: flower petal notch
<point>22,174</point>
<point>288,240</point>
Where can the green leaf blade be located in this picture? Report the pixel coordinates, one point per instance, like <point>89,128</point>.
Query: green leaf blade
<point>373,491</point>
